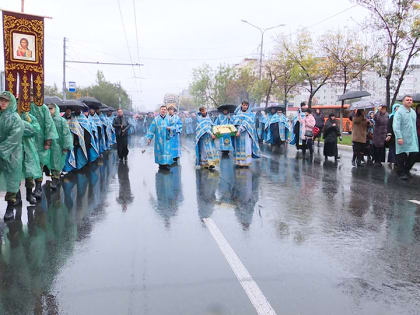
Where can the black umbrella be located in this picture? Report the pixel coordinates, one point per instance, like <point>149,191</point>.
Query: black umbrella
<point>91,102</point>
<point>73,105</point>
<point>416,98</point>
<point>229,108</point>
<point>277,108</point>
<point>352,95</point>
<point>52,100</point>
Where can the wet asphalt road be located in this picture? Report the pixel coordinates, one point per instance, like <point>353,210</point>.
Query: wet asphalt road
<point>317,238</point>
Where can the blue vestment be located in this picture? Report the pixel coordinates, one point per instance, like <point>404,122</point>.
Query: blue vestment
<point>158,130</point>
<point>175,125</point>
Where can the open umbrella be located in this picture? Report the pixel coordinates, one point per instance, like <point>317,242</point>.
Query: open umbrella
<point>91,102</point>
<point>363,104</point>
<point>277,108</point>
<point>52,100</point>
<point>352,95</point>
<point>229,108</point>
<point>72,104</point>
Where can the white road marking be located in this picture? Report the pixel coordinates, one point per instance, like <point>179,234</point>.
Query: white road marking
<point>415,201</point>
<point>251,288</point>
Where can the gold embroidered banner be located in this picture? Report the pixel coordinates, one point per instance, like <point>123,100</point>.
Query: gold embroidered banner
<point>23,38</point>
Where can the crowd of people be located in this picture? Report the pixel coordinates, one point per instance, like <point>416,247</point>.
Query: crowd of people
<point>399,131</point>
<point>45,141</point>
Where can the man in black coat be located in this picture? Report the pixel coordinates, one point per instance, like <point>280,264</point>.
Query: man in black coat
<point>121,126</point>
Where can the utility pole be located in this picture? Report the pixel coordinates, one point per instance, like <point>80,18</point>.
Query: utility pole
<point>262,31</point>
<point>64,69</point>
<point>119,94</point>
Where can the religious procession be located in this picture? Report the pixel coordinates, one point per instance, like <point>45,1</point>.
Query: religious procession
<point>197,157</point>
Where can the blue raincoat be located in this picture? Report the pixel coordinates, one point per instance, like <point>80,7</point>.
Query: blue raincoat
<point>297,139</point>
<point>225,142</point>
<point>92,146</point>
<point>78,157</point>
<point>98,127</point>
<point>404,126</point>
<point>283,125</point>
<point>158,130</point>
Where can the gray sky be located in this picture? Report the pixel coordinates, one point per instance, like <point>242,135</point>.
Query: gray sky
<point>175,36</point>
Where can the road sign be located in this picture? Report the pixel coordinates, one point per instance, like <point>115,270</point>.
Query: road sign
<point>72,86</point>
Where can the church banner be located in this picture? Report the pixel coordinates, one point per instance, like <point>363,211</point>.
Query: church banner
<point>23,38</point>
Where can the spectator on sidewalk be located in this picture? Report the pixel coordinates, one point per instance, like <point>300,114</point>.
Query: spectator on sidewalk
<point>319,123</point>
<point>331,133</point>
<point>405,129</point>
<point>379,135</point>
<point>359,134</point>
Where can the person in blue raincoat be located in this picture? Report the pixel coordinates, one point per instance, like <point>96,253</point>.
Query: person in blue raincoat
<point>277,127</point>
<point>98,129</point>
<point>298,134</point>
<point>78,157</point>
<point>405,130</point>
<point>246,140</point>
<point>159,130</point>
<point>175,130</point>
<point>11,133</point>
<point>225,141</point>
<point>260,121</point>
<point>205,149</point>
<point>88,135</point>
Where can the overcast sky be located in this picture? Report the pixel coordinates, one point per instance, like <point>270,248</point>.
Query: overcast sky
<point>175,36</point>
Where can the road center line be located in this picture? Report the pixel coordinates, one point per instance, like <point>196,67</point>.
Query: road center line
<point>251,288</point>
<point>415,201</point>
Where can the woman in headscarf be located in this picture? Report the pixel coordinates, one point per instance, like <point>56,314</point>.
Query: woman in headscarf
<point>246,140</point>
<point>331,132</point>
<point>390,136</point>
<point>379,136</point>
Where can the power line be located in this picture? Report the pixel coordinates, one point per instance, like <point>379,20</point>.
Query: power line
<point>126,37</point>
<point>137,34</point>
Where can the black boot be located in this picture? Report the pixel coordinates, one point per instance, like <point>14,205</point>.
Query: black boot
<point>37,193</point>
<point>18,201</point>
<point>30,197</point>
<point>9,215</point>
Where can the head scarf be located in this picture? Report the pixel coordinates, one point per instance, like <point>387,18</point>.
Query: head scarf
<point>394,109</point>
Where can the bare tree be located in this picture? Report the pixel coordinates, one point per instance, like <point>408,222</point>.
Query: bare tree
<point>397,24</point>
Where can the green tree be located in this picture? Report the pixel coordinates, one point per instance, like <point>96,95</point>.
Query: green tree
<point>52,91</point>
<point>107,92</point>
<point>317,69</point>
<point>289,75</point>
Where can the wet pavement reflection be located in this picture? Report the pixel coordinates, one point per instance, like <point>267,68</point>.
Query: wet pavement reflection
<point>125,238</point>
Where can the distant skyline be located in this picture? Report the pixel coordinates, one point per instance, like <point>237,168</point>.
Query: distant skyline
<point>174,37</point>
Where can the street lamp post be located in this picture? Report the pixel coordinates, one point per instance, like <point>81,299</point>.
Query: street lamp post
<point>262,31</point>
